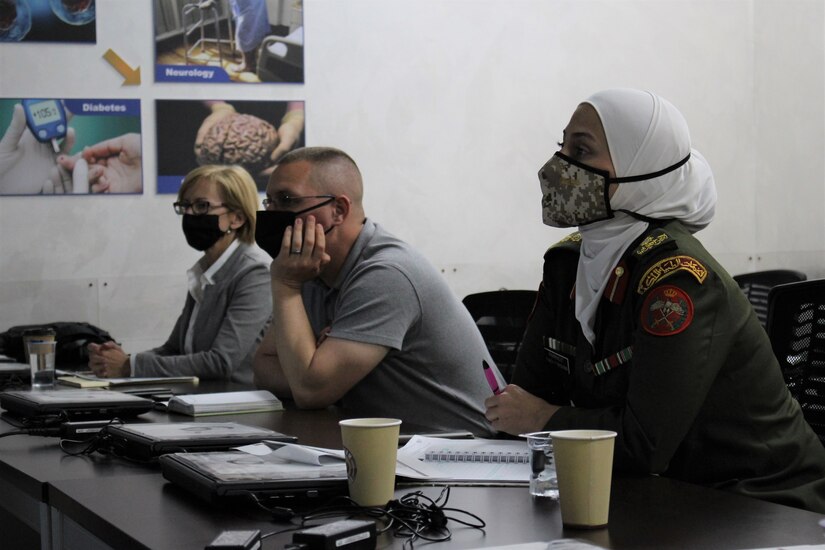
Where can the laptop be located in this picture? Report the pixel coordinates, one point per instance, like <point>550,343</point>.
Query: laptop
<point>13,374</point>
<point>220,476</point>
<point>150,440</point>
<point>74,404</point>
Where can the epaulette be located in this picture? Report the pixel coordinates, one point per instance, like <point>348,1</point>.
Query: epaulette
<point>572,241</point>
<point>657,240</point>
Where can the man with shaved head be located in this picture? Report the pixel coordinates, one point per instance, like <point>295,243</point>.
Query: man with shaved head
<point>359,317</point>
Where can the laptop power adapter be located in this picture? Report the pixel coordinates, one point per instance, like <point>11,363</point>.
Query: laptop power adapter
<point>82,429</point>
<point>348,534</point>
<point>236,540</point>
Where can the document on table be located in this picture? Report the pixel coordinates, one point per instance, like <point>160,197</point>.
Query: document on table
<point>468,462</point>
<point>83,380</point>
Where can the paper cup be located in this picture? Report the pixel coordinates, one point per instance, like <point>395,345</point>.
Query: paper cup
<point>371,450</point>
<point>584,466</point>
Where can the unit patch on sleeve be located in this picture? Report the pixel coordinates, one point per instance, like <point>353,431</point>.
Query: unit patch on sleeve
<point>666,311</point>
<point>667,267</point>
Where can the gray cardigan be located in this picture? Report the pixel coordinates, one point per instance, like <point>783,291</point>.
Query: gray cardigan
<point>230,324</point>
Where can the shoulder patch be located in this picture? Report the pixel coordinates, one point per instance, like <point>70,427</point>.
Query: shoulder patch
<point>667,267</point>
<point>654,240</point>
<point>668,310</point>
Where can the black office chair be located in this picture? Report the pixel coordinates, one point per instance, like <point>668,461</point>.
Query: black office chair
<point>796,327</point>
<point>757,285</point>
<point>501,317</point>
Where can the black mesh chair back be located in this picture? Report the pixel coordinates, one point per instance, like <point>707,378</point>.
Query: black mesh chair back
<point>757,285</point>
<point>501,317</point>
<point>796,327</point>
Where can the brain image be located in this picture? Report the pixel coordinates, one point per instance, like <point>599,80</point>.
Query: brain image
<point>239,139</point>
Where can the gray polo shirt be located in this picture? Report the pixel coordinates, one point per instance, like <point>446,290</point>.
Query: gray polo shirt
<point>389,294</point>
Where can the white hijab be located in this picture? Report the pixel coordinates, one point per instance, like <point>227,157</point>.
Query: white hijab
<point>645,134</point>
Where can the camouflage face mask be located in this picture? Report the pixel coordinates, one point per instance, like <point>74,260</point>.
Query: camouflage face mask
<point>574,194</point>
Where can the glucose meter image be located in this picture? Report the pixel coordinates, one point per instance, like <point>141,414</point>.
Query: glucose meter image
<point>46,119</point>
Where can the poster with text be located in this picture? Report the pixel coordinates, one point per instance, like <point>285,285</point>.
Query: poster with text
<point>70,146</point>
<point>248,41</point>
<point>252,134</point>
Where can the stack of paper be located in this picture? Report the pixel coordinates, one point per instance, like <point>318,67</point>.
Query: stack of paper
<point>201,404</point>
<point>83,380</point>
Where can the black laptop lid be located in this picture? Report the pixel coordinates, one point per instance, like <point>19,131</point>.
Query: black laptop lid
<point>217,476</point>
<point>83,404</point>
<point>149,440</point>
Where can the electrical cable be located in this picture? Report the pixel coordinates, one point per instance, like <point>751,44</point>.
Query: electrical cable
<point>414,516</point>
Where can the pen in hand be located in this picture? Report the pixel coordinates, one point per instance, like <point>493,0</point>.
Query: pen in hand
<point>491,377</point>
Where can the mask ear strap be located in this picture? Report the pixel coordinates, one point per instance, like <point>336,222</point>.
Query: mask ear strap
<point>650,176</point>
<point>640,217</point>
<point>305,210</point>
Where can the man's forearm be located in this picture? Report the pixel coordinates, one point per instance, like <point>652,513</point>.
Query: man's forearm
<point>294,342</point>
<point>266,367</point>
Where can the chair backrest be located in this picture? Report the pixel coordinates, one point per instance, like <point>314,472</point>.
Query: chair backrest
<point>796,327</point>
<point>757,285</point>
<point>501,317</point>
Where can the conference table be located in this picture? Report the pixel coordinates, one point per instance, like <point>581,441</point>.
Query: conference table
<point>101,502</point>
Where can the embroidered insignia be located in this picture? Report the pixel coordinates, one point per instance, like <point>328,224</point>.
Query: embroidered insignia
<point>666,311</point>
<point>650,243</point>
<point>667,267</point>
<point>612,361</point>
<point>571,238</point>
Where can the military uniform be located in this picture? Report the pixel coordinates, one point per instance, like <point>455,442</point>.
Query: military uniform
<point>681,368</point>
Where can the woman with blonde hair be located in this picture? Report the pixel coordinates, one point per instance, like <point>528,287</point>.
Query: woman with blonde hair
<point>228,303</point>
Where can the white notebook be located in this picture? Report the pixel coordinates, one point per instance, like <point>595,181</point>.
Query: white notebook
<point>201,404</point>
<point>467,461</point>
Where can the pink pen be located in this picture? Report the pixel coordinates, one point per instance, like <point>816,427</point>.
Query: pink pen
<point>491,377</point>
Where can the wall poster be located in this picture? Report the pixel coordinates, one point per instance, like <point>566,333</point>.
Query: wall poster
<point>70,146</point>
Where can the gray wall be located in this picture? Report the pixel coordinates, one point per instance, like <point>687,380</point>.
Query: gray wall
<point>450,107</point>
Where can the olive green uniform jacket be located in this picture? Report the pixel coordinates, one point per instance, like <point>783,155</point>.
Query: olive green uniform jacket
<point>681,369</point>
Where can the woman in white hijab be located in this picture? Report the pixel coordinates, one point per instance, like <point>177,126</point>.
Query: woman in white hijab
<point>637,329</point>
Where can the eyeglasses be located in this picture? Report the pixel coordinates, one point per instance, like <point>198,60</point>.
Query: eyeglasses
<point>199,207</point>
<point>285,202</point>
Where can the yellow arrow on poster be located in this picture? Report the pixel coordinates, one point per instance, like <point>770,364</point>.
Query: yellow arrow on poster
<point>131,76</point>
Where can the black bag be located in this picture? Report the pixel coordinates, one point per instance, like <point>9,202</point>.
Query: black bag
<point>72,339</point>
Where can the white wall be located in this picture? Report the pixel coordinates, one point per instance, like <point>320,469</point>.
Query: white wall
<point>449,107</point>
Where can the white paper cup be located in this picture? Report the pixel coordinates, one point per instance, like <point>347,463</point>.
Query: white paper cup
<point>371,451</point>
<point>584,466</point>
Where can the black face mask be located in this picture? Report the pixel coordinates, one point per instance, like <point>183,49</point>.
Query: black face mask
<point>270,226</point>
<point>201,231</point>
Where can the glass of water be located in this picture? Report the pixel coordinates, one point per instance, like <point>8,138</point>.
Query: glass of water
<point>543,482</point>
<point>41,362</point>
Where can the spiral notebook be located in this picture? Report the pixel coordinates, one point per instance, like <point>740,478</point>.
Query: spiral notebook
<point>465,461</point>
